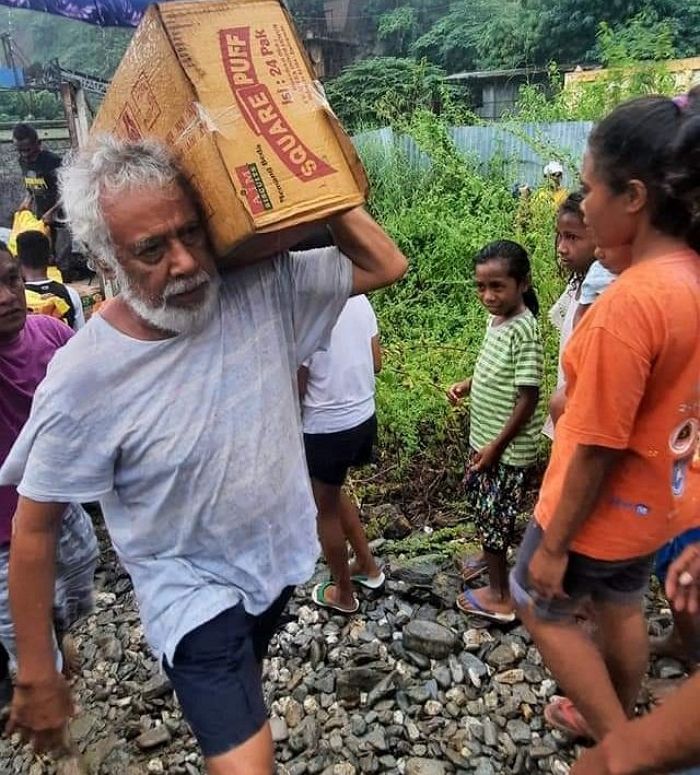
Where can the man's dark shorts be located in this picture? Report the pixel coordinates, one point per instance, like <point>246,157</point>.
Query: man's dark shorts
<point>216,675</point>
<point>330,455</point>
<point>622,582</point>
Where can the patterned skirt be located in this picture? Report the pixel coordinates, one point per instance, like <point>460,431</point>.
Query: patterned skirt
<point>495,497</point>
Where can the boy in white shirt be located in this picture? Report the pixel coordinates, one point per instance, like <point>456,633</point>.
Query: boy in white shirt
<point>340,427</point>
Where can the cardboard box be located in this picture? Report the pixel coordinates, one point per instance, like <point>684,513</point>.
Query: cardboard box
<point>228,86</point>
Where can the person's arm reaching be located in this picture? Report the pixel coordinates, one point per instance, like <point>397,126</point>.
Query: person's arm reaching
<point>42,703</point>
<point>664,740</point>
<point>377,261</point>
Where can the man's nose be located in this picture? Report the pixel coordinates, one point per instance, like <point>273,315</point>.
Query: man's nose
<point>182,261</point>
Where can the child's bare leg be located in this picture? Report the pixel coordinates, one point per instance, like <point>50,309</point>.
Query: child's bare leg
<point>355,533</point>
<point>496,596</point>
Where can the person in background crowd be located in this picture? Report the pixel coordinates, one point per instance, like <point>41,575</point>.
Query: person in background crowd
<point>614,487</point>
<point>667,738</point>
<point>196,457</point>
<point>340,427</point>
<point>575,249</point>
<point>503,426</point>
<point>34,255</point>
<point>40,169</point>
<point>553,191</point>
<point>27,345</point>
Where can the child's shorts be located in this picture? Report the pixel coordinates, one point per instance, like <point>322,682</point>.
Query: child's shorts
<point>330,455</point>
<point>623,582</point>
<point>495,497</point>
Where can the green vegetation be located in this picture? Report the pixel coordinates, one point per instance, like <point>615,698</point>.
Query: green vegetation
<point>432,323</point>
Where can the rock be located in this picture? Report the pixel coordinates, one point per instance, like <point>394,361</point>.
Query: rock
<point>443,677</point>
<point>446,588</point>
<point>501,656</point>
<point>519,731</point>
<point>490,733</point>
<point>152,738</point>
<point>424,767</point>
<point>391,521</point>
<point>340,769</point>
<point>432,708</point>
<point>294,714</point>
<point>155,766</point>
<point>417,571</point>
<point>384,688</point>
<point>279,729</point>
<point>353,681</point>
<point>428,638</point>
<point>111,649</point>
<point>475,639</point>
<point>82,725</point>
<point>377,739</point>
<point>510,677</point>
<point>156,687</point>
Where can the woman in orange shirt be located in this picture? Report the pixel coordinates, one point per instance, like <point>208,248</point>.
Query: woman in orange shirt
<point>616,480</point>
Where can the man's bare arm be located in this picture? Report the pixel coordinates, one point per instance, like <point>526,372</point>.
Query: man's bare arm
<point>376,257</point>
<point>32,575</point>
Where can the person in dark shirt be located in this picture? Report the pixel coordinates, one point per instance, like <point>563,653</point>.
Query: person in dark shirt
<point>40,169</point>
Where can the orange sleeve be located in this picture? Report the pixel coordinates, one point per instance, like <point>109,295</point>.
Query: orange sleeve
<point>610,382</point>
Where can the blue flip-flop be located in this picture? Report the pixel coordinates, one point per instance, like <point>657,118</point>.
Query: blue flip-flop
<point>472,607</point>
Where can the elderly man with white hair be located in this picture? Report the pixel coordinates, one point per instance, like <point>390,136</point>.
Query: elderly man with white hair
<point>177,409</point>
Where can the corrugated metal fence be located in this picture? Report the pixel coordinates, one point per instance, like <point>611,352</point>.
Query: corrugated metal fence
<point>526,148</point>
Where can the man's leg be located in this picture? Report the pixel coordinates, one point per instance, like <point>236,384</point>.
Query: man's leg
<point>580,670</point>
<point>216,676</point>
<point>332,537</point>
<point>254,757</point>
<point>355,534</point>
<point>622,636</point>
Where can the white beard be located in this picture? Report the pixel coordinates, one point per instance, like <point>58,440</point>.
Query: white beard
<point>177,320</point>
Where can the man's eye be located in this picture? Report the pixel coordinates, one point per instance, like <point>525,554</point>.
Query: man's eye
<point>192,235</point>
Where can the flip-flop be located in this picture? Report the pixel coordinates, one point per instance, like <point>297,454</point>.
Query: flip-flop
<point>469,605</point>
<point>318,595</point>
<point>561,713</point>
<point>369,582</point>
<point>471,568</point>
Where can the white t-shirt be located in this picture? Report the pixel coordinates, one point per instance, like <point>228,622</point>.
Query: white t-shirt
<point>340,388</point>
<point>193,444</point>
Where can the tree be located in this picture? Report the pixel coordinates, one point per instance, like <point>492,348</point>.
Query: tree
<point>376,91</point>
<point>397,30</point>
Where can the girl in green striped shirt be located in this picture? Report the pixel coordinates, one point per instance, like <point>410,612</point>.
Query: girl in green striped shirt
<point>504,428</point>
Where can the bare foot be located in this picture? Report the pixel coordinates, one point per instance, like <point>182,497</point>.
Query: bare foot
<point>332,595</point>
<point>370,569</point>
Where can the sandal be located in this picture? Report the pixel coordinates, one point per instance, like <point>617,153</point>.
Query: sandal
<point>470,568</point>
<point>369,582</point>
<point>318,595</point>
<point>469,605</point>
<point>562,714</point>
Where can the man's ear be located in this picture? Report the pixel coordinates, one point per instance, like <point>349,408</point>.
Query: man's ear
<point>637,196</point>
